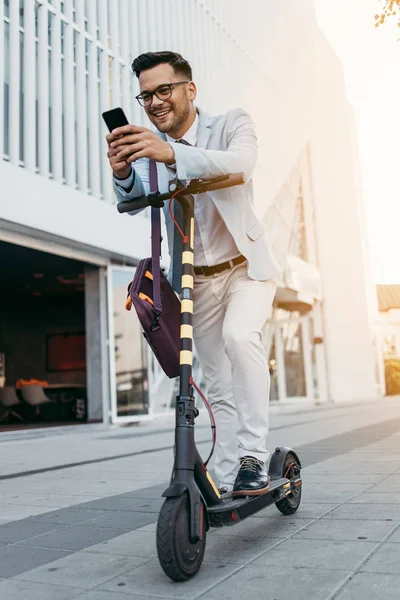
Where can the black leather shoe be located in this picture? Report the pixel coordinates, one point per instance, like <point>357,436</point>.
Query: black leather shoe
<point>252,478</point>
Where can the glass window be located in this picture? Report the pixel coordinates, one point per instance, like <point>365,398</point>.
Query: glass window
<point>21,96</point>
<point>75,44</point>
<point>63,32</point>
<point>273,372</point>
<point>6,90</point>
<point>21,13</point>
<point>294,359</point>
<point>37,101</point>
<point>37,7</point>
<point>130,351</point>
<point>297,245</point>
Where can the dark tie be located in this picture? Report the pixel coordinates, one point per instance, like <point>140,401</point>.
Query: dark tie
<point>178,247</point>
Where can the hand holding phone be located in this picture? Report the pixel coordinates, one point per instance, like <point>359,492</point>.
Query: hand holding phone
<point>116,118</point>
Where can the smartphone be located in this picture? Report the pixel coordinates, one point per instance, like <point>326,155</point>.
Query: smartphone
<point>115,118</point>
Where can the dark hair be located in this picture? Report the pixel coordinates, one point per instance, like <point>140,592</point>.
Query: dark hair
<point>148,60</point>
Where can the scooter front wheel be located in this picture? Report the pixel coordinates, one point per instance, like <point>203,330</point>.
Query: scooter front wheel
<point>179,558</point>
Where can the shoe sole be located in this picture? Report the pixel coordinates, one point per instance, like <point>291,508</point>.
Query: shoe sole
<point>251,492</point>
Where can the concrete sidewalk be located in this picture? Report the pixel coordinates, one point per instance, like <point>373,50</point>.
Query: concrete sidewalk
<point>88,531</point>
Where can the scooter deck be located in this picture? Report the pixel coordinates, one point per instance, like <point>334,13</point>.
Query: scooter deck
<point>233,510</point>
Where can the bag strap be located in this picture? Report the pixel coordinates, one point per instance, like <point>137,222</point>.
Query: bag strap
<point>155,242</point>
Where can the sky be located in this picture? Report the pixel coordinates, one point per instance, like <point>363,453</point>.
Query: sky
<point>371,63</point>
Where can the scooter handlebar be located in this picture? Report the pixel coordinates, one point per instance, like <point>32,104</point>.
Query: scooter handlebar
<point>196,186</point>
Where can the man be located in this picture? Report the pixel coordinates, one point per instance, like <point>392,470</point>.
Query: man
<point>234,263</point>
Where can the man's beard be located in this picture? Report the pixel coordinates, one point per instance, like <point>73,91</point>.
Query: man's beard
<point>178,118</point>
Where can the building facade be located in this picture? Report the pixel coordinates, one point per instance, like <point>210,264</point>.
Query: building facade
<point>67,256</point>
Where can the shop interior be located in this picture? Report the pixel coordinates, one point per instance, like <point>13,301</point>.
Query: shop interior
<point>42,339</point>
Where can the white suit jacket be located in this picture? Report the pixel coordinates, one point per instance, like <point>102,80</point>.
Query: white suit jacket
<point>225,144</point>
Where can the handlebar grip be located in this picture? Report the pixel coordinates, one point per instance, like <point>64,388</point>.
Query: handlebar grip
<point>136,204</point>
<point>230,181</point>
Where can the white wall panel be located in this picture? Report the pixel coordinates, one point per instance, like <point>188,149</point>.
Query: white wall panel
<point>2,79</point>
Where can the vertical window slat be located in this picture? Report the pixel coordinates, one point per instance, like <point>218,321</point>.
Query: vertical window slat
<point>29,87</point>
<point>2,81</point>
<point>14,93</point>
<point>56,96</point>
<point>69,99</point>
<point>93,105</point>
<point>81,100</point>
<point>43,91</point>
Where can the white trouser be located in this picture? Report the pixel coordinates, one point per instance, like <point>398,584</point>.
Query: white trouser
<point>230,310</point>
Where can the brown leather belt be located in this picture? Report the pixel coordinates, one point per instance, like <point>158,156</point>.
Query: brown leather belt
<point>229,264</point>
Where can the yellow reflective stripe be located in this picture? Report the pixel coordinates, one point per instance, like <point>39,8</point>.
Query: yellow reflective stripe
<point>187,281</point>
<point>188,258</point>
<point>186,357</point>
<point>187,306</point>
<point>186,331</point>
<point>213,484</point>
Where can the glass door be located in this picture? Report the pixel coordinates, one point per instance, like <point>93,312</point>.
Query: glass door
<point>128,353</point>
<point>292,362</point>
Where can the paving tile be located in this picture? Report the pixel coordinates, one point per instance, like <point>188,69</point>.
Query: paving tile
<point>395,537</point>
<point>126,503</point>
<point>318,553</point>
<point>385,560</point>
<point>238,550</point>
<point>371,586</point>
<point>338,493</point>
<point>125,520</point>
<point>279,583</point>
<point>345,529</point>
<point>374,512</point>
<point>14,512</point>
<point>73,537</point>
<point>307,511</point>
<point>69,516</point>
<point>17,559</point>
<point>278,527</point>
<point>134,543</point>
<point>151,579</point>
<point>389,485</point>
<point>106,595</point>
<point>147,492</point>
<point>354,468</point>
<point>83,569</point>
<point>22,590</point>
<point>330,478</point>
<point>374,497</point>
<point>24,529</point>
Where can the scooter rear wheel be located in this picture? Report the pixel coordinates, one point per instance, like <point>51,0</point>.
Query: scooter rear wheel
<point>291,470</point>
<point>179,558</point>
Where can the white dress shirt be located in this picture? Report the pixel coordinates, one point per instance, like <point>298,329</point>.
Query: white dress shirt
<point>213,243</point>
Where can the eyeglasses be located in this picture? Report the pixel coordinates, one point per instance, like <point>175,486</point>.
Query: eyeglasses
<point>163,92</point>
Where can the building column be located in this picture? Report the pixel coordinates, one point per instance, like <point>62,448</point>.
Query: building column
<point>320,358</point>
<point>98,383</point>
<point>280,363</point>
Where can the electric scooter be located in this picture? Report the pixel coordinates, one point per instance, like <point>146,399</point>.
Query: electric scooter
<point>193,503</point>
